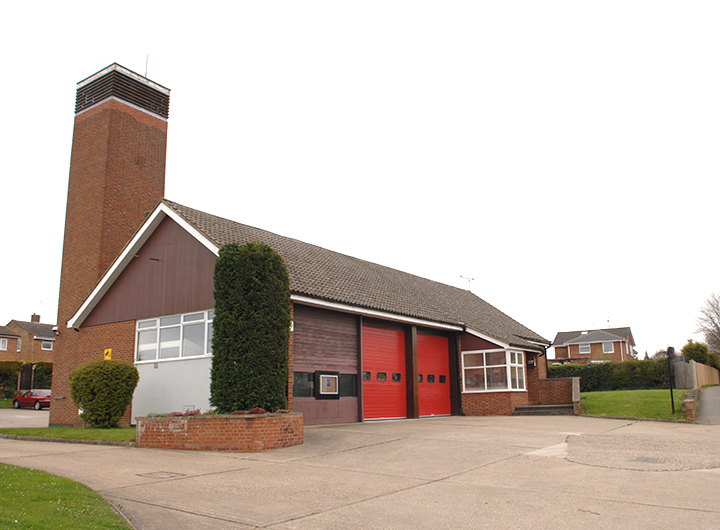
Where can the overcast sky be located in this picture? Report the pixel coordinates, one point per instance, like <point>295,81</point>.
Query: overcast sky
<point>564,155</point>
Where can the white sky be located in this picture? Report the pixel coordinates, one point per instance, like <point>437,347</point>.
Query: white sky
<point>562,154</point>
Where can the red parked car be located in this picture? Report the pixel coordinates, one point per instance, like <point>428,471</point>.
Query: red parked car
<point>33,398</point>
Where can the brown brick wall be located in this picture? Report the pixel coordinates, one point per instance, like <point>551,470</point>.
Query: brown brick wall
<point>117,176</point>
<point>493,403</point>
<point>30,348</point>
<point>556,391</point>
<point>91,344</point>
<point>244,433</point>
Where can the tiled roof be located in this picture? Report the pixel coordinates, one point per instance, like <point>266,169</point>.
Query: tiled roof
<point>592,335</point>
<point>40,331</point>
<point>5,332</point>
<point>322,274</point>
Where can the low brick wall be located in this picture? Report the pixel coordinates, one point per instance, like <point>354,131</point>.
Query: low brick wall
<point>561,391</point>
<point>247,433</point>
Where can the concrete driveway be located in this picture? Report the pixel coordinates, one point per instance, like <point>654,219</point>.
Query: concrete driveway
<point>10,418</point>
<point>455,472</point>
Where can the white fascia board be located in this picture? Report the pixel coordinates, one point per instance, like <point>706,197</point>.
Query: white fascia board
<point>128,254</point>
<point>488,338</point>
<point>113,98</point>
<point>345,308</point>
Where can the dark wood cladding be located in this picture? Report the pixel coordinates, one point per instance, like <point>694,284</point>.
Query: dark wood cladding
<point>324,340</point>
<point>117,84</point>
<point>172,273</point>
<point>472,343</point>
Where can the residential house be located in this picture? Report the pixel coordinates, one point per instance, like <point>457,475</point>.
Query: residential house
<point>367,341</point>
<point>35,341</point>
<point>595,345</point>
<point>8,344</point>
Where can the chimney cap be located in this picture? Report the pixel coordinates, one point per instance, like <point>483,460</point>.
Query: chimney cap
<point>115,67</point>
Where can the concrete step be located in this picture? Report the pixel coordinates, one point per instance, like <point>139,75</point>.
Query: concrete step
<point>545,410</point>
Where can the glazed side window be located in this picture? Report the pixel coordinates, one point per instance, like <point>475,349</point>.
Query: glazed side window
<point>396,378</point>
<point>431,378</point>
<point>367,376</point>
<point>381,376</point>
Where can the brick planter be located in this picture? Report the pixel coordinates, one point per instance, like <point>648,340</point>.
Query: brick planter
<point>247,433</point>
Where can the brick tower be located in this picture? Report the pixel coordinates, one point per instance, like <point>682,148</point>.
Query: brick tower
<point>117,176</point>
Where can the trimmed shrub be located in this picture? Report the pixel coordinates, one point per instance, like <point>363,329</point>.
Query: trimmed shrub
<point>103,391</point>
<point>625,375</point>
<point>696,351</point>
<point>251,329</point>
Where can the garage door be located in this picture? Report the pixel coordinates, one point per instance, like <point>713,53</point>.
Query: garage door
<point>433,375</point>
<point>384,385</point>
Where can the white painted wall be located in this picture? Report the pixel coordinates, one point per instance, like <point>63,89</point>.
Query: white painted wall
<point>172,386</point>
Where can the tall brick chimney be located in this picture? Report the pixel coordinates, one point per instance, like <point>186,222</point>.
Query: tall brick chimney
<point>117,176</point>
<point>35,318</point>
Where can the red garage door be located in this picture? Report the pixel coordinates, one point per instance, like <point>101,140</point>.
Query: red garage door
<point>434,375</point>
<point>384,385</point>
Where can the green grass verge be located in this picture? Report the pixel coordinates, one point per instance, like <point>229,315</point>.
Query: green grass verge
<point>123,434</point>
<point>34,499</point>
<point>634,403</point>
<point>6,403</point>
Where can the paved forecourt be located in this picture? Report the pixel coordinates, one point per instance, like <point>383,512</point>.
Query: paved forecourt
<point>449,472</point>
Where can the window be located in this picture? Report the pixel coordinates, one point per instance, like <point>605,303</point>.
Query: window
<point>3,344</point>
<point>493,370</point>
<point>304,384</point>
<point>174,337</point>
<point>382,376</point>
<point>47,345</point>
<point>608,347</point>
<point>584,348</point>
<point>19,345</point>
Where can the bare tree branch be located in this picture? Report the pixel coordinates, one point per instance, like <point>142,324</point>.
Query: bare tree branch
<point>709,322</point>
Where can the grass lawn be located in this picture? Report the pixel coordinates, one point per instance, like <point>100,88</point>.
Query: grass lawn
<point>634,403</point>
<point>123,434</point>
<point>6,403</point>
<point>34,499</point>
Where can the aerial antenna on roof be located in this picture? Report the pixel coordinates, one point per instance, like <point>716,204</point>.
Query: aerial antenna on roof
<point>146,62</point>
<point>468,280</point>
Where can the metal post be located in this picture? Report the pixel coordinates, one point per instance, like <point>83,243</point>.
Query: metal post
<point>670,356</point>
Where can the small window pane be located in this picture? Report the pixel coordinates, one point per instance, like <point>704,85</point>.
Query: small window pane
<point>419,378</point>
<point>381,376</point>
<point>396,377</point>
<point>521,378</point>
<point>19,345</point>
<point>497,378</point>
<point>302,384</point>
<point>193,340</point>
<point>513,378</point>
<point>431,378</point>
<point>193,317</point>
<point>211,314</point>
<point>169,343</point>
<point>47,345</point>
<point>147,324</point>
<point>608,347</point>
<point>520,358</point>
<point>475,379</point>
<point>443,379</point>
<point>147,345</point>
<point>496,358</point>
<point>348,385</point>
<point>367,376</point>
<point>209,337</point>
<point>170,321</point>
<point>473,359</point>
<point>584,348</point>
<point>512,357</point>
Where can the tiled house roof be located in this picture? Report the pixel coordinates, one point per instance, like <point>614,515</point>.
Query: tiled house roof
<point>5,332</point>
<point>37,329</point>
<point>591,336</point>
<point>326,275</point>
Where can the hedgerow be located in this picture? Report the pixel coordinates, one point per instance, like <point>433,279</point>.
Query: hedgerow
<point>625,375</point>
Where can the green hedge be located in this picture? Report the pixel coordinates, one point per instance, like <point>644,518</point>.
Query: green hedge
<point>251,329</point>
<point>626,375</point>
<point>103,391</point>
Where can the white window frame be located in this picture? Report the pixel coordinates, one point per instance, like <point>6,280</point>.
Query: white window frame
<point>19,345</point>
<point>582,346</point>
<point>3,344</point>
<point>514,364</point>
<point>169,322</point>
<point>612,347</point>
<point>44,343</point>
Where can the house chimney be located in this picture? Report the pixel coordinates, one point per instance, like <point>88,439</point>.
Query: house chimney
<point>117,175</point>
<point>35,318</point>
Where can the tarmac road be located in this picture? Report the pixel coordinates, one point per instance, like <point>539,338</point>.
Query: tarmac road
<point>451,472</point>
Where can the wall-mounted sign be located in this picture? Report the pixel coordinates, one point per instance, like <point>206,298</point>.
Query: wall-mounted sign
<point>327,385</point>
<point>108,354</point>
